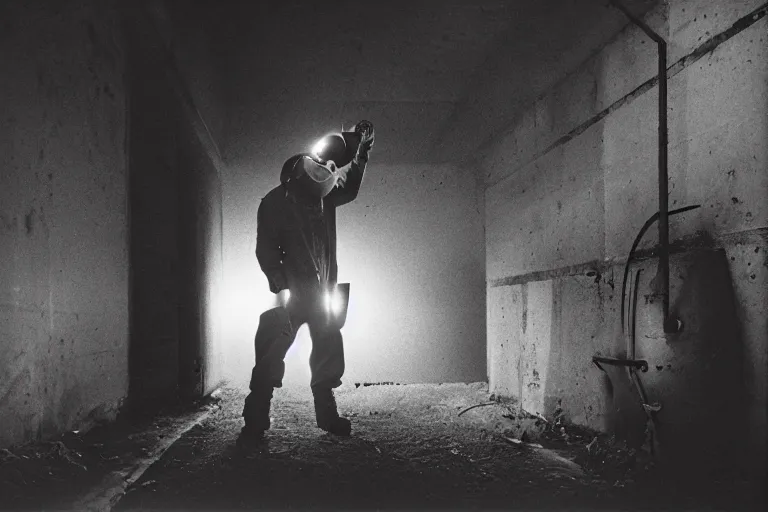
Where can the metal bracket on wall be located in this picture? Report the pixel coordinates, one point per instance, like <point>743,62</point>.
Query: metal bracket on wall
<point>638,364</point>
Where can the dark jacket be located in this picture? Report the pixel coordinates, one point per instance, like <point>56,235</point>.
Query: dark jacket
<point>285,256</point>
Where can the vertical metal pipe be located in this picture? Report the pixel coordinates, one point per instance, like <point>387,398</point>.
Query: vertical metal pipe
<point>663,186</point>
<point>670,325</point>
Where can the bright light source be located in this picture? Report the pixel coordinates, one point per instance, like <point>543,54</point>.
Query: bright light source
<point>319,147</point>
<point>337,304</point>
<point>333,302</point>
<point>281,299</point>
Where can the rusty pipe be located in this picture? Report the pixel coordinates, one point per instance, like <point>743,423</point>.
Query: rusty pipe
<point>671,325</point>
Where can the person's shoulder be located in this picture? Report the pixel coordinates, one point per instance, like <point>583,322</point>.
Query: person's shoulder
<point>274,196</point>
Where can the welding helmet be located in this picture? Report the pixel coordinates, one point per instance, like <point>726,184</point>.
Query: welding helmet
<point>339,148</point>
<point>309,176</point>
<point>316,173</point>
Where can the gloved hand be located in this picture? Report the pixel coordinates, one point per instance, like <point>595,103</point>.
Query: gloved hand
<point>365,129</point>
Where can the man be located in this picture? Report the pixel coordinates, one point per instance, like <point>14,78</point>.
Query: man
<point>296,249</point>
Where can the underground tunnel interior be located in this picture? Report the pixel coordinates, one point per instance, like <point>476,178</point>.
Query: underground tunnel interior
<point>517,156</point>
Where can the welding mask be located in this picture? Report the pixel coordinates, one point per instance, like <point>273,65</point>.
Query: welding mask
<point>339,148</point>
<point>308,176</point>
<point>316,173</point>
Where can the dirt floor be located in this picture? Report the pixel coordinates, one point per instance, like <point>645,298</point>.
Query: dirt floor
<point>412,447</point>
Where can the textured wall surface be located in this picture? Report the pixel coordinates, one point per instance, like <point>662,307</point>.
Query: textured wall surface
<point>63,218</point>
<point>569,185</point>
<point>412,247</point>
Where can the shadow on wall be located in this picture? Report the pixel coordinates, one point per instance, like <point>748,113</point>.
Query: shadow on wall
<point>696,376</point>
<point>175,235</point>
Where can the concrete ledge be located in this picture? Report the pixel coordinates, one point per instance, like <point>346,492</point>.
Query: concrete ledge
<point>700,241</point>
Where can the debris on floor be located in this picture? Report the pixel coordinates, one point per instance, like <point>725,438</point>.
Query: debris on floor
<point>52,474</point>
<point>448,446</point>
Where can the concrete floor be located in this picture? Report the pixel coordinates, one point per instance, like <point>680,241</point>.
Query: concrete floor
<point>413,447</point>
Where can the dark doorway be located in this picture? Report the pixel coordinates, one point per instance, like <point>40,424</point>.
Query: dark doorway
<point>175,232</point>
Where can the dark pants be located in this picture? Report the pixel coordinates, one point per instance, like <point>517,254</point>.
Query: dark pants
<point>275,335</point>
<point>277,332</point>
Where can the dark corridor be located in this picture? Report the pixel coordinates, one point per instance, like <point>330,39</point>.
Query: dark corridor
<point>175,235</point>
<point>520,145</point>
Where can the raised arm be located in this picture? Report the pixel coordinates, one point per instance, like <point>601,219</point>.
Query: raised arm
<point>348,191</point>
<point>268,250</point>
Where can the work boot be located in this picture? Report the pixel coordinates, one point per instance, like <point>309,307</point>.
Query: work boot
<point>256,416</point>
<point>327,416</point>
<point>249,439</point>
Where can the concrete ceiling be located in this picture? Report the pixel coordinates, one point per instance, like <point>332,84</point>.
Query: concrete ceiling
<point>436,77</point>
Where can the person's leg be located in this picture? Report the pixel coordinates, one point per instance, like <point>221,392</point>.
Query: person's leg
<point>327,358</point>
<point>326,363</point>
<point>274,336</point>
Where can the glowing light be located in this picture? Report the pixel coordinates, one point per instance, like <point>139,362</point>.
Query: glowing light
<point>319,147</point>
<point>333,302</point>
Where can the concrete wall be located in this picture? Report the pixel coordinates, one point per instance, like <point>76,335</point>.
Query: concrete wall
<point>192,31</point>
<point>569,185</point>
<point>412,247</point>
<point>175,214</point>
<point>155,225</point>
<point>202,365</point>
<point>63,239</point>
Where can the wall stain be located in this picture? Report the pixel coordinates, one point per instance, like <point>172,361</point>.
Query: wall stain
<point>91,33</point>
<point>29,221</point>
<point>18,382</point>
<point>524,289</point>
<point>9,224</point>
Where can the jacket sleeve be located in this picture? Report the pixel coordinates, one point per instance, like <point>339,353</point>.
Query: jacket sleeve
<point>348,193</point>
<point>268,250</point>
